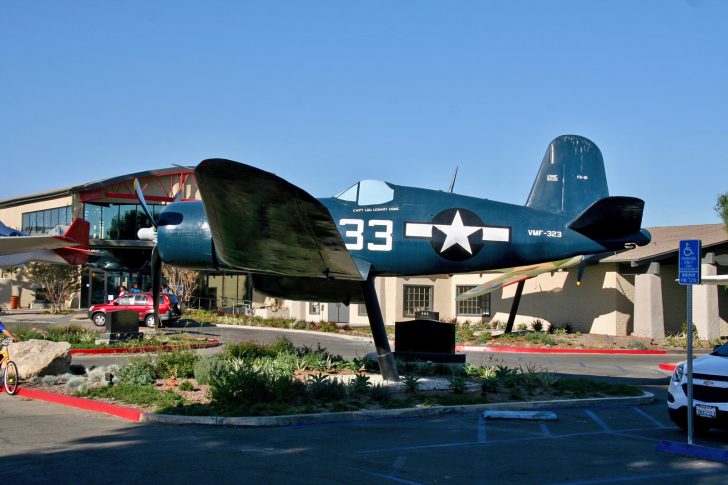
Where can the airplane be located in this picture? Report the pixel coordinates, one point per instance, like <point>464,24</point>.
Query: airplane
<point>297,247</point>
<point>71,247</point>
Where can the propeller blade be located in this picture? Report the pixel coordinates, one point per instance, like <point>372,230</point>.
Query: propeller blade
<point>143,202</point>
<point>156,283</point>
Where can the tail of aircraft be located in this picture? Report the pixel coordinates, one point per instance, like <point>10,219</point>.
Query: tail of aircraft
<point>571,177</point>
<point>572,182</point>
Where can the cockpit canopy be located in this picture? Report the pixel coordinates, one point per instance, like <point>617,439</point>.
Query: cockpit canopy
<point>368,192</point>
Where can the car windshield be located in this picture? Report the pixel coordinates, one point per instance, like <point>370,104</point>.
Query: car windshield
<point>721,351</point>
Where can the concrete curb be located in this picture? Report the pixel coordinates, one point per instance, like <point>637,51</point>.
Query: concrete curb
<point>123,412</point>
<point>464,348</point>
<point>147,348</point>
<point>365,415</point>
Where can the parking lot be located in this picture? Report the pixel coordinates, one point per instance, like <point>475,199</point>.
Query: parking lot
<point>43,442</point>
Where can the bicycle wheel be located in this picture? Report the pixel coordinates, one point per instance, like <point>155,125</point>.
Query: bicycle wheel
<point>11,378</point>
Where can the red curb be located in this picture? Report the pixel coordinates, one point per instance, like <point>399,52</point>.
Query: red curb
<point>534,350</point>
<point>148,348</point>
<point>668,366</point>
<point>78,402</point>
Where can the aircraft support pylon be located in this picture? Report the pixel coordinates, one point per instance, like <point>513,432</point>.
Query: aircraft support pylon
<point>387,365</point>
<point>514,307</point>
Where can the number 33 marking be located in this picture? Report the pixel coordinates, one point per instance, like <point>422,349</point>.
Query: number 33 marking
<point>383,237</point>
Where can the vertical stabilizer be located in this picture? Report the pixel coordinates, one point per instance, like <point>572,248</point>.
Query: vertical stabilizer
<point>571,177</point>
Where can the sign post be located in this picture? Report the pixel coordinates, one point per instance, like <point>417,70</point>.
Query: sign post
<point>689,275</point>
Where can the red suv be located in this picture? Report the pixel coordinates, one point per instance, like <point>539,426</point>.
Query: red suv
<point>138,302</point>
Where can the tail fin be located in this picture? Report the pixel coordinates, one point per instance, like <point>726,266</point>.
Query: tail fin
<point>571,177</point>
<point>78,232</point>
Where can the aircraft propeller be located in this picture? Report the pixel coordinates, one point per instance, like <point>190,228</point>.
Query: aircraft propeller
<point>156,261</point>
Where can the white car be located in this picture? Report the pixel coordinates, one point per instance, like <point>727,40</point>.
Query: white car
<point>710,391</point>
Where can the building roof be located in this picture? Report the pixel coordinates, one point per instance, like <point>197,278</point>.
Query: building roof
<point>54,194</point>
<point>665,241</point>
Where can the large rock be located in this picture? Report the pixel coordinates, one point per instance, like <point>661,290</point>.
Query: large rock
<point>41,357</point>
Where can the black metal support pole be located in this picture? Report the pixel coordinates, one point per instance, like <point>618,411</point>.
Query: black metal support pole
<point>514,307</point>
<point>387,366</point>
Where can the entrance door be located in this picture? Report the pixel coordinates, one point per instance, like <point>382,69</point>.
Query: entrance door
<point>97,286</point>
<point>338,313</point>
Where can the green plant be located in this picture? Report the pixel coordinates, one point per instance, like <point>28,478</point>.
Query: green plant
<point>537,325</point>
<point>282,346</point>
<point>636,345</point>
<point>411,384</point>
<point>457,384</point>
<point>140,371</point>
<point>381,394</point>
<point>131,393</point>
<point>546,379</point>
<point>176,364</point>
<point>521,327</point>
<point>186,386</point>
<point>360,384</point>
<point>325,389</point>
<point>206,366</point>
<point>246,350</point>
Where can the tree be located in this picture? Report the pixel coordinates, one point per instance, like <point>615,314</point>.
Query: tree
<point>183,281</point>
<point>57,282</point>
<point>721,207</point>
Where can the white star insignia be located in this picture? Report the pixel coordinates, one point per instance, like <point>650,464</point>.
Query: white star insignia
<point>457,233</point>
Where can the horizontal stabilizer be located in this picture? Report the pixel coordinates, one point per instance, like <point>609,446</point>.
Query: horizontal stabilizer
<point>610,219</point>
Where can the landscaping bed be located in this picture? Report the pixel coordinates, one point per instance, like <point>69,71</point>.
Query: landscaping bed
<point>249,379</point>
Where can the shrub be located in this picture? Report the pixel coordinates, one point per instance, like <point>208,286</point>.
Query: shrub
<point>206,366</point>
<point>360,384</point>
<point>324,389</point>
<point>521,327</point>
<point>176,364</point>
<point>381,394</point>
<point>411,384</point>
<point>130,393</point>
<point>237,384</point>
<point>247,350</point>
<point>537,325</point>
<point>457,384</point>
<point>282,346</point>
<point>186,386</point>
<point>636,345</point>
<point>140,371</point>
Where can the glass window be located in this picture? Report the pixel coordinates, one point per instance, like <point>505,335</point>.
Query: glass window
<point>349,194</point>
<point>476,306</point>
<point>314,308</point>
<point>372,192</point>
<point>362,310</point>
<point>93,214</point>
<point>39,222</point>
<point>125,300</point>
<point>417,298</point>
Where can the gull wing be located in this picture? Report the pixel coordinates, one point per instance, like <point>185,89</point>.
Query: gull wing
<point>521,273</point>
<point>265,225</point>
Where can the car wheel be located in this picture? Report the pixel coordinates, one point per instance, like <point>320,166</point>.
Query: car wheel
<point>149,320</point>
<point>99,319</point>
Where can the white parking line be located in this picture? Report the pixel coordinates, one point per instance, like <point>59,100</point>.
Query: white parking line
<point>598,420</point>
<point>650,418</point>
<point>481,430</point>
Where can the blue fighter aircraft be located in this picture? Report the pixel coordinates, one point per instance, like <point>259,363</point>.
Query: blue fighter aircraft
<point>298,247</point>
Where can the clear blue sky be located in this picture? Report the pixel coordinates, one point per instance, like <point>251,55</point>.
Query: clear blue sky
<point>324,93</point>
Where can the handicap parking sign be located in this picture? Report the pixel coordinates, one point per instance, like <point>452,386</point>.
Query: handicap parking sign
<point>689,262</point>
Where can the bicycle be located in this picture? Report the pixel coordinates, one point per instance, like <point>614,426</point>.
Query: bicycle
<point>10,370</point>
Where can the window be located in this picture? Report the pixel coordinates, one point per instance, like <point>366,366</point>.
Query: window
<point>314,308</point>
<point>368,192</point>
<point>362,310</point>
<point>417,298</point>
<point>117,221</point>
<point>39,222</point>
<point>477,306</point>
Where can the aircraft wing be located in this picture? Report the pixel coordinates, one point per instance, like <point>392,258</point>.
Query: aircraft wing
<point>265,225</point>
<point>76,235</point>
<point>521,273</point>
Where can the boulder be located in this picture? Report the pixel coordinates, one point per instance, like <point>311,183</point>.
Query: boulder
<point>41,357</point>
